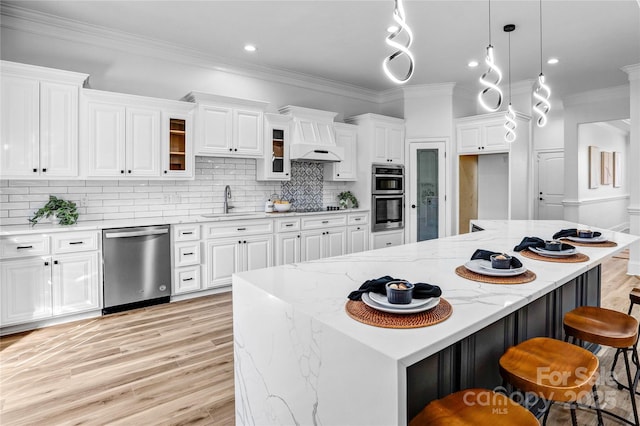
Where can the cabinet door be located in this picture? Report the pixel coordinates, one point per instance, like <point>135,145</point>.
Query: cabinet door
<point>223,259</point>
<point>469,139</point>
<point>312,245</point>
<point>177,145</point>
<point>380,145</point>
<point>287,248</point>
<point>335,242</point>
<point>247,132</point>
<point>357,239</point>
<point>25,290</point>
<point>186,279</point>
<point>19,123</point>
<point>106,139</point>
<point>494,138</point>
<point>258,252</point>
<point>346,169</point>
<point>215,125</point>
<point>58,129</point>
<point>143,142</point>
<point>395,145</point>
<point>76,285</point>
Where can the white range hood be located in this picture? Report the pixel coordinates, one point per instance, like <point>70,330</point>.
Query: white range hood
<point>312,137</point>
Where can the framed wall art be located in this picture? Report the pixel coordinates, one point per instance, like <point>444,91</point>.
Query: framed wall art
<point>606,177</point>
<point>617,169</point>
<point>594,167</point>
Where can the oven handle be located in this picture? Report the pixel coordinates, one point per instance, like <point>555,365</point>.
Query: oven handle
<point>136,233</point>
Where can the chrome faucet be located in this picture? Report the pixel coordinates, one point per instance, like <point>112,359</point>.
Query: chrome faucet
<point>227,197</point>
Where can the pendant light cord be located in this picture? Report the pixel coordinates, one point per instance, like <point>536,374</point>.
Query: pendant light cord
<point>489,22</point>
<point>540,36</point>
<point>509,67</point>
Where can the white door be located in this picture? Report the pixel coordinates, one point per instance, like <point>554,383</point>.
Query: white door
<point>357,239</point>
<point>550,185</point>
<point>76,287</point>
<point>25,290</point>
<point>223,259</point>
<point>247,132</point>
<point>106,139</point>
<point>426,189</point>
<point>312,245</point>
<point>20,127</point>
<point>58,129</point>
<point>287,248</point>
<point>335,242</point>
<point>258,252</point>
<point>143,142</point>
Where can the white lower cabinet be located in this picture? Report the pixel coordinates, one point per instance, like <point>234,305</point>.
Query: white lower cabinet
<point>357,239</point>
<point>187,279</point>
<point>387,239</point>
<point>318,244</point>
<point>287,248</point>
<point>230,255</point>
<point>63,281</point>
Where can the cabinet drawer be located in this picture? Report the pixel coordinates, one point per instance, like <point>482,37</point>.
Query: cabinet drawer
<point>238,228</point>
<point>285,225</point>
<point>187,253</point>
<point>189,232</point>
<point>387,239</point>
<point>317,222</point>
<point>24,245</point>
<point>357,218</point>
<point>187,279</point>
<point>71,242</point>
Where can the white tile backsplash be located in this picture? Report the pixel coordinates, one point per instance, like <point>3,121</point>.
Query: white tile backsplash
<point>122,199</point>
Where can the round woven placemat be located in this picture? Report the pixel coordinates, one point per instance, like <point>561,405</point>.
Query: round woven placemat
<point>360,312</point>
<point>602,244</point>
<point>574,258</point>
<point>525,277</point>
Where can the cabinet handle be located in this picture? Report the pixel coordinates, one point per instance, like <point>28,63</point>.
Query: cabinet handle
<point>165,172</point>
<point>55,262</point>
<point>187,233</point>
<point>24,247</point>
<point>289,225</point>
<point>187,279</point>
<point>122,171</point>
<point>230,149</point>
<point>73,243</point>
<point>325,221</point>
<point>358,228</point>
<point>388,244</point>
<point>298,236</point>
<point>129,171</point>
<point>46,263</point>
<point>242,229</point>
<point>244,242</point>
<point>239,242</point>
<point>337,174</point>
<point>189,254</point>
<point>357,219</point>
<point>35,170</point>
<point>44,170</point>
<point>286,174</point>
<point>236,149</point>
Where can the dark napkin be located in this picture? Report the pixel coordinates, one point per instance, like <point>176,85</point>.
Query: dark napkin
<point>420,290</point>
<point>571,232</point>
<point>538,243</point>
<point>486,255</point>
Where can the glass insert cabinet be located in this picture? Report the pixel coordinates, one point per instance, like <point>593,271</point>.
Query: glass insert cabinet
<point>275,165</point>
<point>177,148</point>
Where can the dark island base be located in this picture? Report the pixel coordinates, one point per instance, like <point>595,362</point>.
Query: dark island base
<point>473,361</point>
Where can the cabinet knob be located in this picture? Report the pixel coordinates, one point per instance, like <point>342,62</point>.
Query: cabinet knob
<point>541,198</point>
<point>44,170</point>
<point>244,242</point>
<point>55,262</point>
<point>236,149</point>
<point>337,174</point>
<point>35,170</point>
<point>165,172</point>
<point>122,171</point>
<point>298,236</point>
<point>286,174</point>
<point>239,242</point>
<point>413,206</point>
<point>230,149</point>
<point>46,263</point>
<point>129,171</point>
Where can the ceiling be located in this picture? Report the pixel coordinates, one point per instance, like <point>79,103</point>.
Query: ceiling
<point>343,41</point>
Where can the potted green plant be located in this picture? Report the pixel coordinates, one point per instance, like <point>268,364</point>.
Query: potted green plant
<point>346,197</point>
<point>65,211</point>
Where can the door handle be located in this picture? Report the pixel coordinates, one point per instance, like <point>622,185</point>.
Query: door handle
<point>541,198</point>
<point>413,206</point>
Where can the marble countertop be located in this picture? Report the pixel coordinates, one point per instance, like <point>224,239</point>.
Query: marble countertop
<point>319,289</point>
<point>40,228</point>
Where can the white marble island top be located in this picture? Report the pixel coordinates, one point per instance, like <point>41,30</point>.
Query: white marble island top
<point>300,359</point>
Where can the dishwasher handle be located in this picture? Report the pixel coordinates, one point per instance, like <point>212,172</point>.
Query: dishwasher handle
<point>127,234</point>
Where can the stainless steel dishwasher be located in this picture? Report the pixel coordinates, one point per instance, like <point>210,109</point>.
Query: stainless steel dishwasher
<point>137,267</point>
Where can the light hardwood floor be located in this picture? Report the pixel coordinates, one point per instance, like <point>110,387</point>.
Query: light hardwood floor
<point>168,364</point>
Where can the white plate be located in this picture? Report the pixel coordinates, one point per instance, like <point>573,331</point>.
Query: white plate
<point>483,267</point>
<point>433,302</point>
<point>381,299</point>
<point>599,239</point>
<point>552,253</point>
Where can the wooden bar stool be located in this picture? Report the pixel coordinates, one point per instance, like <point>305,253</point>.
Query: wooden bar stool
<point>554,370</point>
<point>474,407</point>
<point>608,328</point>
<point>634,299</point>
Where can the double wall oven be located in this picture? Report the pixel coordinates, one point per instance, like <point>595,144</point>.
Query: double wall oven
<point>387,197</point>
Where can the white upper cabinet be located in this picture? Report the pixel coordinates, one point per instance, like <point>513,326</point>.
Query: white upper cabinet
<point>228,127</point>
<point>38,121</point>
<point>345,170</point>
<point>132,136</point>
<point>275,164</point>
<point>381,138</point>
<point>485,133</point>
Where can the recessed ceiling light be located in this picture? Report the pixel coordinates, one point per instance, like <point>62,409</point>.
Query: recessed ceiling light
<point>250,48</point>
<point>472,64</point>
<point>553,61</point>
<point>392,29</point>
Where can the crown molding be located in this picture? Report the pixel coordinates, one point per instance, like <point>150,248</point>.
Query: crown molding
<point>21,19</point>
<point>391,95</point>
<point>424,90</point>
<point>598,95</point>
<point>632,70</point>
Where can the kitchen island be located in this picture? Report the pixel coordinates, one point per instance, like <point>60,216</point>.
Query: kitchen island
<point>301,359</point>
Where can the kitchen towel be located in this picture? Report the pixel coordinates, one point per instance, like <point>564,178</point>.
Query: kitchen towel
<point>420,290</point>
<point>486,255</point>
<point>571,232</point>
<point>537,243</point>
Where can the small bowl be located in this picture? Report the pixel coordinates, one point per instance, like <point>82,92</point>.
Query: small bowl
<point>280,207</point>
<point>585,233</point>
<point>553,245</point>
<point>399,295</point>
<point>500,261</point>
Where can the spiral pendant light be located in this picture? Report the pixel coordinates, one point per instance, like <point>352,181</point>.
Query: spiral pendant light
<point>402,49</point>
<point>510,124</point>
<point>541,91</point>
<point>490,79</point>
